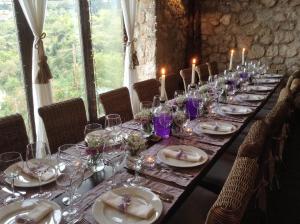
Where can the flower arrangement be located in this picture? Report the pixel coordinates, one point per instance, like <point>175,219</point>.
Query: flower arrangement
<point>145,118</point>
<point>135,143</point>
<point>179,118</point>
<point>180,101</point>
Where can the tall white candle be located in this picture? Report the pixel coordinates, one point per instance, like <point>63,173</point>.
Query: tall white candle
<point>231,59</point>
<point>193,70</point>
<point>243,56</point>
<point>163,84</point>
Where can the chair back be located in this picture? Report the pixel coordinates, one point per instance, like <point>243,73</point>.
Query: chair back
<point>203,72</point>
<point>64,122</point>
<point>186,76</point>
<point>13,136</point>
<point>295,86</point>
<point>214,68</point>
<point>117,101</point>
<point>231,204</point>
<point>147,89</point>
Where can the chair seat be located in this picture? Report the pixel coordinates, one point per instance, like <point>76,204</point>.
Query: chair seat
<point>195,208</point>
<point>217,175</point>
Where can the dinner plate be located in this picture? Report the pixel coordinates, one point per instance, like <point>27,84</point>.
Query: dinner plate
<point>250,97</point>
<point>25,180</point>
<point>259,88</point>
<point>200,128</point>
<point>181,163</point>
<point>104,214</point>
<point>8,213</point>
<point>235,110</point>
<point>266,81</point>
<point>272,76</point>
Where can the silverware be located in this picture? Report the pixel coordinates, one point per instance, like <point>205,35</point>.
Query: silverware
<point>7,190</point>
<point>163,195</point>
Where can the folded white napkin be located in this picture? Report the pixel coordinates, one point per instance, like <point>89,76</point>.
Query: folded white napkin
<point>181,155</point>
<point>37,214</point>
<point>235,109</point>
<point>128,205</point>
<point>217,127</point>
<point>48,174</point>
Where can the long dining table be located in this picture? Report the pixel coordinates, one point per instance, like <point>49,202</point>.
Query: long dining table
<point>178,182</point>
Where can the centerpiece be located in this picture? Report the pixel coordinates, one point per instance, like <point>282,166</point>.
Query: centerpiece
<point>144,117</point>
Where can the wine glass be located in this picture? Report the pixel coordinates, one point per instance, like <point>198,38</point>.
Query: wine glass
<point>69,180</point>
<point>92,127</point>
<point>6,160</point>
<point>145,105</point>
<point>114,155</point>
<point>180,98</point>
<point>113,124</point>
<point>156,101</point>
<point>38,162</point>
<point>64,157</point>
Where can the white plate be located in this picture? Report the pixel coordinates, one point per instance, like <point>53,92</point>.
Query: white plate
<point>268,81</point>
<point>238,110</point>
<point>250,97</point>
<point>9,212</point>
<point>272,76</point>
<point>259,88</point>
<point>181,163</point>
<point>105,214</point>
<point>199,128</point>
<point>25,180</point>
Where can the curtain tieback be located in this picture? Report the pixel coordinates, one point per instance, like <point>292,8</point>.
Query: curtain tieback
<point>134,61</point>
<point>44,73</point>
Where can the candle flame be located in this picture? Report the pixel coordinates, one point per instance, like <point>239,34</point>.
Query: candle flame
<point>163,71</point>
<point>244,49</point>
<point>232,51</point>
<point>194,60</point>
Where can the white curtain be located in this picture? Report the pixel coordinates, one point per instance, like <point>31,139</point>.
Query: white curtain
<point>129,8</point>
<point>34,11</point>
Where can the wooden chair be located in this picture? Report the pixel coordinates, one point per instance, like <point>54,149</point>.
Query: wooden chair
<point>13,136</point>
<point>172,84</point>
<point>203,73</point>
<point>147,89</point>
<point>64,122</point>
<point>214,68</point>
<point>186,76</point>
<point>117,101</point>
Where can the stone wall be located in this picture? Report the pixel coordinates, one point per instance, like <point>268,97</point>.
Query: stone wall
<point>163,30</point>
<point>268,29</point>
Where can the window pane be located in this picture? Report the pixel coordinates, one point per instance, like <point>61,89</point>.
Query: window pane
<point>108,46</point>
<point>12,93</point>
<point>63,49</point>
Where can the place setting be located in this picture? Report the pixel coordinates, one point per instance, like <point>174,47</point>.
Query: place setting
<point>215,128</point>
<point>258,88</point>
<point>266,81</point>
<point>250,97</point>
<point>234,110</point>
<point>270,75</point>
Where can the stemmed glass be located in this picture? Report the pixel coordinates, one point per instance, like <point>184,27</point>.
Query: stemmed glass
<point>156,101</point>
<point>6,160</point>
<point>38,162</point>
<point>217,90</point>
<point>69,179</point>
<point>63,159</point>
<point>92,127</point>
<point>114,155</point>
<point>145,105</point>
<point>113,123</point>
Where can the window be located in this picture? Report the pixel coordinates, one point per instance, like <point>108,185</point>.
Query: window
<point>63,49</point>
<point>12,92</point>
<point>108,46</point>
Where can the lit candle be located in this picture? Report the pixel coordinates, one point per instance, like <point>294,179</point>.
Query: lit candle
<point>231,59</point>
<point>243,56</point>
<point>193,70</point>
<point>163,80</point>
<point>149,161</point>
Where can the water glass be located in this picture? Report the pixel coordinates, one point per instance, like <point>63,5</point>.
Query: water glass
<point>156,101</point>
<point>113,124</point>
<point>38,161</point>
<point>91,127</point>
<point>6,160</point>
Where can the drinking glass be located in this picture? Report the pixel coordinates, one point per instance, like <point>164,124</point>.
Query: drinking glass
<point>92,127</point>
<point>6,160</point>
<point>69,180</point>
<point>156,101</point>
<point>113,124</point>
<point>64,157</point>
<point>38,162</point>
<point>217,90</point>
<point>137,162</point>
<point>114,155</point>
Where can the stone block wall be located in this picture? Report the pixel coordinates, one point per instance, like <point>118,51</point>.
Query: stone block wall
<point>268,29</point>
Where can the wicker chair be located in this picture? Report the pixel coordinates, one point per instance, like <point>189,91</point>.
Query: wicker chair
<point>295,86</point>
<point>186,76</point>
<point>203,72</point>
<point>64,122</point>
<point>117,102</point>
<point>214,68</point>
<point>13,136</point>
<point>147,89</point>
<point>236,193</point>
